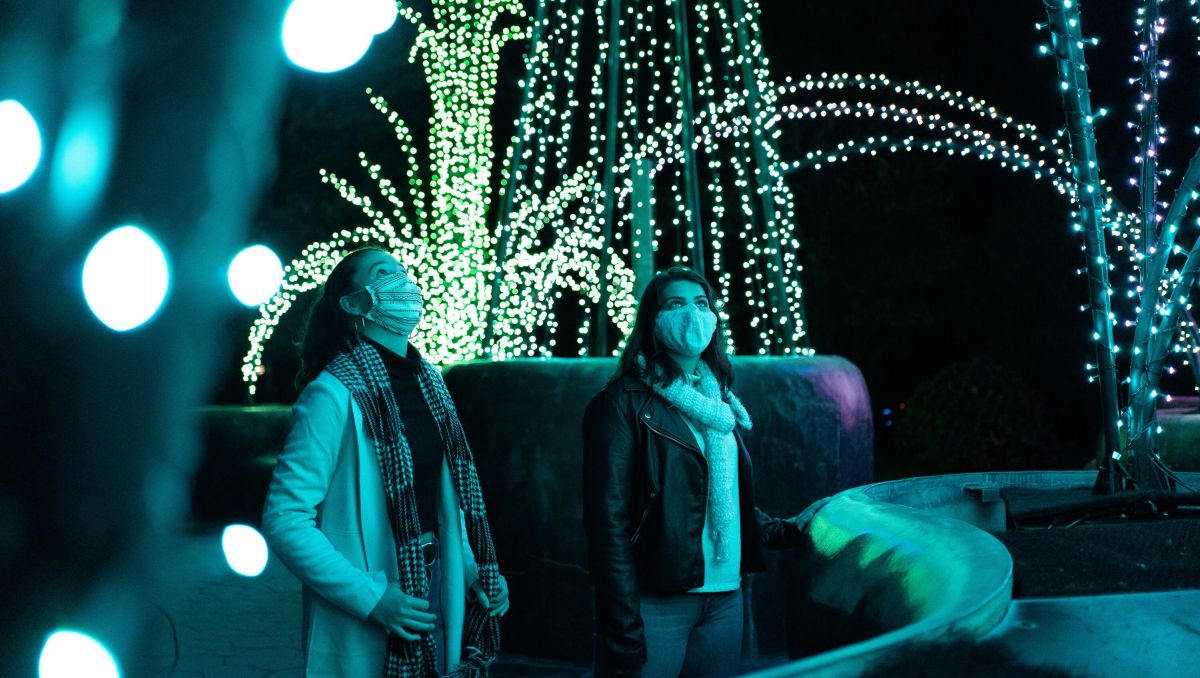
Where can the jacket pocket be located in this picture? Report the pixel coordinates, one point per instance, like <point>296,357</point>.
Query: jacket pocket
<point>645,514</point>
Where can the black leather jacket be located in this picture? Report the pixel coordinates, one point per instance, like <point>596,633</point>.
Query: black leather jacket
<point>645,494</point>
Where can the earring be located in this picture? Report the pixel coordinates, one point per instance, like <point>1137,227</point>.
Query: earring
<point>360,324</point>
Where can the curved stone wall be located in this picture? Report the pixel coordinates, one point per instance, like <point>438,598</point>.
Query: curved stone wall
<point>906,561</point>
<point>812,437</point>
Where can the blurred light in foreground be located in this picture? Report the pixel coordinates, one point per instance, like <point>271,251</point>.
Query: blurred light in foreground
<point>75,655</point>
<point>20,145</point>
<point>125,278</point>
<point>81,159</point>
<point>245,550</point>
<point>322,36</point>
<point>377,15</point>
<point>255,275</point>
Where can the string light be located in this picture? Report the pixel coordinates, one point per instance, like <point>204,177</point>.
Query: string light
<point>1160,291</point>
<point>20,144</point>
<point>436,221</point>
<point>552,222</point>
<point>560,195</point>
<point>1195,4</point>
<point>958,125</point>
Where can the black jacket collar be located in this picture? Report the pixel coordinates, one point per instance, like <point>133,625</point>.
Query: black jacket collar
<point>660,416</point>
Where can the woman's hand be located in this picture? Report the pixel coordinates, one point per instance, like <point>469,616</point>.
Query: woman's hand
<point>495,608</point>
<point>402,614</point>
<point>805,517</point>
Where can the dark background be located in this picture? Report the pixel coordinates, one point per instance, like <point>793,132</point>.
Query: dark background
<point>950,282</point>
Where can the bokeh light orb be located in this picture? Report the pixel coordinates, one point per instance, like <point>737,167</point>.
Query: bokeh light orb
<point>255,275</point>
<point>125,278</point>
<point>377,16</point>
<point>245,550</point>
<point>82,156</point>
<point>71,654</point>
<point>322,36</point>
<point>20,145</point>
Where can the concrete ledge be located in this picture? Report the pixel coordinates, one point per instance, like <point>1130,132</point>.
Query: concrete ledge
<point>948,495</point>
<point>911,560</point>
<point>881,573</point>
<point>1180,439</point>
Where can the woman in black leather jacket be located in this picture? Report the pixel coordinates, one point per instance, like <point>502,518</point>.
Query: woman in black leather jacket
<point>668,496</point>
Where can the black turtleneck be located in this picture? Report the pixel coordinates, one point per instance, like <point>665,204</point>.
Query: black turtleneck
<point>420,430</point>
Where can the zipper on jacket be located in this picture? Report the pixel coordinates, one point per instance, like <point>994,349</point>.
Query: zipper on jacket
<point>642,523</point>
<point>692,446</point>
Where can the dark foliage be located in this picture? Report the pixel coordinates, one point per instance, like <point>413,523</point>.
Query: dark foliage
<point>975,416</point>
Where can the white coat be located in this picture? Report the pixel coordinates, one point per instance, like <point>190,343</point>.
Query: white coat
<point>326,519</point>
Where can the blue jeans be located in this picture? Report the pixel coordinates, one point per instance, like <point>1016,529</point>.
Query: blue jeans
<point>435,608</point>
<point>692,634</point>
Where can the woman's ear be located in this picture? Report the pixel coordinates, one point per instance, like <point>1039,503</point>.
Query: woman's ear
<point>350,304</point>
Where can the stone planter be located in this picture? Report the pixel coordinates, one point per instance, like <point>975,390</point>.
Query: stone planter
<point>238,450</point>
<point>904,562</point>
<point>1180,439</point>
<point>812,437</point>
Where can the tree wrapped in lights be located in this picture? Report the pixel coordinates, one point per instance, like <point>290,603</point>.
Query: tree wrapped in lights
<point>925,119</point>
<point>1160,285</point>
<point>652,147</point>
<point>933,119</point>
<point>435,220</point>
<point>569,200</point>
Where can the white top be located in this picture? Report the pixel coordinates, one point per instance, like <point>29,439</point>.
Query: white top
<point>726,575</point>
<point>326,518</point>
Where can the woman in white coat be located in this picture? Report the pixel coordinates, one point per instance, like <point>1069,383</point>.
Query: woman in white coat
<point>375,504</point>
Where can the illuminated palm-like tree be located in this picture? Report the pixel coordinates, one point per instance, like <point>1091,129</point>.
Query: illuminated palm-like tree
<point>435,219</point>
<point>1164,272</point>
<point>498,292</point>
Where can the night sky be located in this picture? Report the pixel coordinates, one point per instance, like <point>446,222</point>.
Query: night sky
<point>925,271</point>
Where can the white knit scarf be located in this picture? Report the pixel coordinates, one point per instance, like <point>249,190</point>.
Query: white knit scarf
<point>714,414</point>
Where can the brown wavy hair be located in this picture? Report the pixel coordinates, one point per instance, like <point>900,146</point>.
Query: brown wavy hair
<point>328,329</point>
<point>642,341</point>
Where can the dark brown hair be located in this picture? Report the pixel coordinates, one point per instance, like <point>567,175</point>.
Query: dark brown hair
<point>642,341</point>
<point>327,328</point>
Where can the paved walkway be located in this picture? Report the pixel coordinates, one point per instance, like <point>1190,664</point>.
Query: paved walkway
<point>215,623</point>
<point>1129,634</point>
<point>206,621</point>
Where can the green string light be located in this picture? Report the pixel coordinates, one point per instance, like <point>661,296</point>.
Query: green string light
<point>435,222</point>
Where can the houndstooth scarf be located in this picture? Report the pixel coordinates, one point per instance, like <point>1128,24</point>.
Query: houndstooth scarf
<point>715,414</point>
<point>362,371</point>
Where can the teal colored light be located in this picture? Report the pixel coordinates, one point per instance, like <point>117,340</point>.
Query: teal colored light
<point>20,145</point>
<point>255,275</point>
<point>98,21</point>
<point>245,550</point>
<point>377,15</point>
<point>125,278</point>
<point>71,654</point>
<point>81,159</point>
<point>324,36</point>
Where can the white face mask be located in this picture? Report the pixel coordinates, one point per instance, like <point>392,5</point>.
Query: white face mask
<point>395,303</point>
<point>687,330</point>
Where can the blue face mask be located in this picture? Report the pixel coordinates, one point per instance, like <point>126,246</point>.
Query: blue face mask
<point>395,303</point>
<point>687,330</point>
